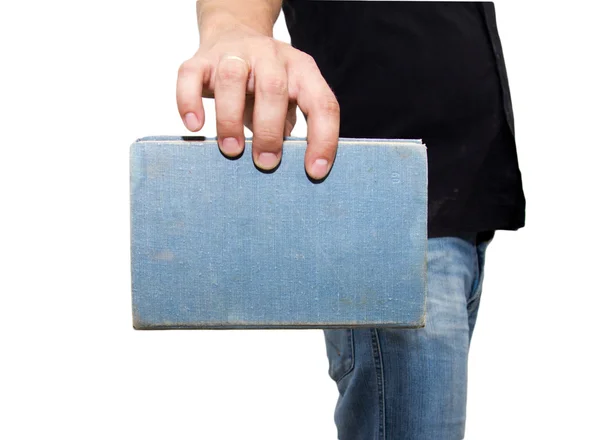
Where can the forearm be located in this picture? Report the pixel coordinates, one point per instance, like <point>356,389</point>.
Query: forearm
<point>217,15</point>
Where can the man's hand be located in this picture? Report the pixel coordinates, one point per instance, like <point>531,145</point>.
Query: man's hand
<point>258,81</point>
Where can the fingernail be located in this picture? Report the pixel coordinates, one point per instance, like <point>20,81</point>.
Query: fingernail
<point>230,146</point>
<point>267,161</point>
<point>320,168</point>
<point>191,121</point>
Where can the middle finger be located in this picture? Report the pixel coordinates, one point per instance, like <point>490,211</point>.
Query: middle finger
<point>230,94</point>
<point>270,110</point>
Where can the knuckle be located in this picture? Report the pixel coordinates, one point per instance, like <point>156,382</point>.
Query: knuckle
<point>268,138</point>
<point>273,85</point>
<point>269,47</point>
<point>309,65</point>
<point>187,68</point>
<point>232,71</point>
<point>329,106</point>
<point>186,101</point>
<point>229,124</point>
<point>309,60</point>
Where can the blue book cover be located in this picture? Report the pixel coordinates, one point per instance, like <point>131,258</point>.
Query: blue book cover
<point>217,243</point>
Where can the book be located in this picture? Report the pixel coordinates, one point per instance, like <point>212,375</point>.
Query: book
<point>216,243</point>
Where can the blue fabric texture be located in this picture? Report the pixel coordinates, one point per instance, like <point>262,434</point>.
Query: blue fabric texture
<point>216,243</point>
<point>411,384</point>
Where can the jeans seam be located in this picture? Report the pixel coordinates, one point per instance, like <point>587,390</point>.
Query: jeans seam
<point>477,282</point>
<point>352,355</point>
<point>378,360</point>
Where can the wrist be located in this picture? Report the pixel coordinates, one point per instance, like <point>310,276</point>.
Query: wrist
<point>218,19</point>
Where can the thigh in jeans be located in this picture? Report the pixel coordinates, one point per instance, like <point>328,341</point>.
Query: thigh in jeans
<point>411,383</point>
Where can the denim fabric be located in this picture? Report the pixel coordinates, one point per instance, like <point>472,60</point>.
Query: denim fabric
<point>411,384</point>
<point>216,243</point>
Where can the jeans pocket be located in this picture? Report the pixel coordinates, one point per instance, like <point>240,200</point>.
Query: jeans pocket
<point>340,352</point>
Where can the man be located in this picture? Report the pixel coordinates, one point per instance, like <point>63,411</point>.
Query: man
<point>427,70</point>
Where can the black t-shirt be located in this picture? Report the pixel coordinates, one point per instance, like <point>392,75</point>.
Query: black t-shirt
<point>425,70</point>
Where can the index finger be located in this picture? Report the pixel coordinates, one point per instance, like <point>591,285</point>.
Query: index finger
<point>190,81</point>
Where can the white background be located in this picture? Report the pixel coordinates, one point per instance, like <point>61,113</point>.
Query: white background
<point>82,80</point>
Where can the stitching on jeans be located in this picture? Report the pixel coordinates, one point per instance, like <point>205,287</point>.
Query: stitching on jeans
<point>352,355</point>
<point>378,360</point>
<point>475,271</point>
<point>477,282</point>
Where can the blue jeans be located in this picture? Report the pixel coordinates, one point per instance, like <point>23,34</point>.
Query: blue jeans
<point>412,383</point>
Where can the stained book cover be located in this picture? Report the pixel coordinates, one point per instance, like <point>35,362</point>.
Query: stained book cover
<point>217,243</point>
